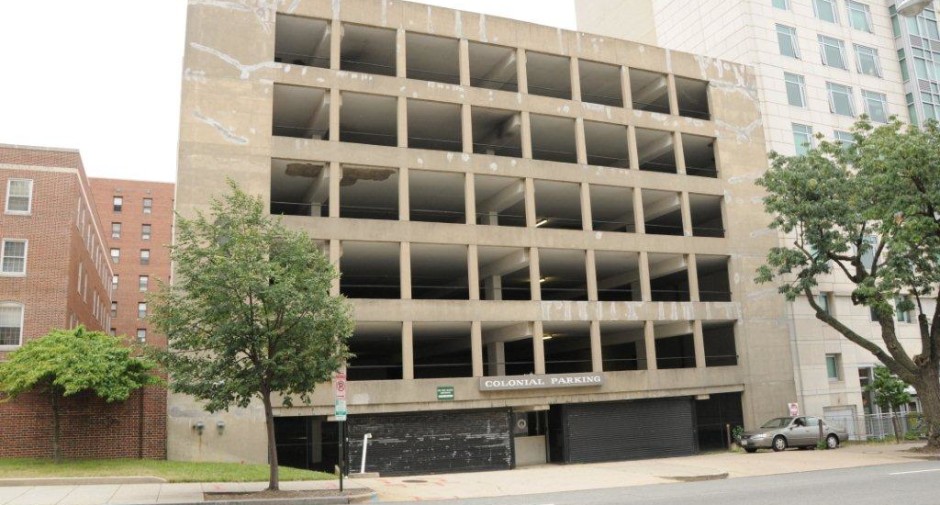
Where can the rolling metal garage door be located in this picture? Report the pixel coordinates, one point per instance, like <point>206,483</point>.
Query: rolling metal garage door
<point>613,431</point>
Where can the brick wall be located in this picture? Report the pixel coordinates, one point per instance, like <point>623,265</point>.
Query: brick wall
<point>432,442</point>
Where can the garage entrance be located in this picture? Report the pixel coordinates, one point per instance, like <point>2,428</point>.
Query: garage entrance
<point>307,442</point>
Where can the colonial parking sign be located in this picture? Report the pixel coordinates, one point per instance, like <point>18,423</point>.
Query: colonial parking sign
<point>339,410</point>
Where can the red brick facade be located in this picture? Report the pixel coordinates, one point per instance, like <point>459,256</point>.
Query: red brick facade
<point>66,283</point>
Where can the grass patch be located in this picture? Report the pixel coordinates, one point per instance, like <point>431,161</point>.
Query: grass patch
<point>172,471</point>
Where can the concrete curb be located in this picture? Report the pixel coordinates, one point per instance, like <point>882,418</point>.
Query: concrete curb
<point>78,481</point>
<point>319,500</point>
<point>698,478</point>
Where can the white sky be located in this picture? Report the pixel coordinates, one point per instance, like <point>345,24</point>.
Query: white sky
<point>103,76</point>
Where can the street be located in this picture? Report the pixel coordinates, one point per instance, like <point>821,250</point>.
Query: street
<point>910,483</point>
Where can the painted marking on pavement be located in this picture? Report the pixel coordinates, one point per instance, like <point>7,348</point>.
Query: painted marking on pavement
<point>916,471</point>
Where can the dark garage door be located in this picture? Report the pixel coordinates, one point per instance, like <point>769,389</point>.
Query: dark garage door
<point>612,431</point>
<point>432,442</point>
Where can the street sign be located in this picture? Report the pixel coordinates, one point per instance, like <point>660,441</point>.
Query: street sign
<point>445,393</point>
<point>339,386</point>
<point>339,410</point>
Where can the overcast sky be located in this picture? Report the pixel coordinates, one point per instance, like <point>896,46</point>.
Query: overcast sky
<point>103,76</point>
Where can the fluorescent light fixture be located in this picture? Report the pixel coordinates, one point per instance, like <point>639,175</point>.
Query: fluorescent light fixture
<point>542,222</point>
<point>543,279</point>
<point>547,336</point>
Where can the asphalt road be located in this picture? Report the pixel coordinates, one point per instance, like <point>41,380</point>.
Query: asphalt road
<point>904,484</point>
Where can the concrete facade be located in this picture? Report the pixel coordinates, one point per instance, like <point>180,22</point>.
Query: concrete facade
<point>749,32</point>
<point>544,202</point>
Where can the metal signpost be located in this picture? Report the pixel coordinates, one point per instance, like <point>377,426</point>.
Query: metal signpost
<point>339,411</point>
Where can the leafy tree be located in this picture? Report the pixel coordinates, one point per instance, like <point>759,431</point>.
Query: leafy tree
<point>67,362</point>
<point>870,210</point>
<point>889,393</point>
<point>250,313</point>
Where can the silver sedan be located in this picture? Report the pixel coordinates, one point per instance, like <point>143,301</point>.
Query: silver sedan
<point>783,432</point>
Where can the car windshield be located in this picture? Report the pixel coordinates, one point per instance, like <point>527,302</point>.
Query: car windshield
<point>780,422</point>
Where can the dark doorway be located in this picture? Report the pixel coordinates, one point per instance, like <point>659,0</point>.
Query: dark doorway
<point>713,416</point>
<point>307,442</point>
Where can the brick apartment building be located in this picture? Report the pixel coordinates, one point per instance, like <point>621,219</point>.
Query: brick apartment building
<point>55,273</point>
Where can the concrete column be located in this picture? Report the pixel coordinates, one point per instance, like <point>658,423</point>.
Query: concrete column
<point>470,199</point>
<point>649,340</point>
<point>496,357</point>
<point>625,87</point>
<point>404,195</point>
<point>402,122</point>
<point>590,271</point>
<point>466,128</point>
<point>407,351</point>
<point>401,56</point>
<point>336,252</point>
<point>639,216</point>
<point>530,217</point>
<point>405,267</point>
<point>336,37</point>
<point>632,148</point>
<point>526,137</point>
<point>673,97</point>
<point>336,101</point>
<point>336,174</point>
<point>644,264</point>
<point>464,60</point>
<point>538,347</point>
<point>580,141</point>
<point>680,152</point>
<point>693,278</point>
<point>473,272</point>
<point>597,359</point>
<point>476,347</point>
<point>575,79</point>
<point>587,218</point>
<point>494,287</point>
<point>685,208</point>
<point>698,342</point>
<point>534,274</point>
<point>522,76</point>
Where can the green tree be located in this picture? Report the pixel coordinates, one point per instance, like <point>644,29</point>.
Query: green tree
<point>889,393</point>
<point>869,209</point>
<point>250,313</point>
<point>67,362</point>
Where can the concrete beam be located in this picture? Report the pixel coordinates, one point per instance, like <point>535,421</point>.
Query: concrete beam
<point>668,266</point>
<point>672,329</point>
<point>502,70</point>
<point>507,197</point>
<point>512,262</point>
<point>320,119</point>
<point>662,207</point>
<point>649,93</point>
<point>655,149</point>
<point>508,333</point>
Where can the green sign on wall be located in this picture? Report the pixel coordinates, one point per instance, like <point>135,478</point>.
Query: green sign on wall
<point>445,393</point>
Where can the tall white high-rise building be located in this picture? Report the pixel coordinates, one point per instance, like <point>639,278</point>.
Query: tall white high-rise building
<point>819,65</point>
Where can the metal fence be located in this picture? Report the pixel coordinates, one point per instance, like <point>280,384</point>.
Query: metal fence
<point>909,425</point>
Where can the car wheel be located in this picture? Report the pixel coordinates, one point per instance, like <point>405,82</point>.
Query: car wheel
<point>832,442</point>
<point>750,450</point>
<point>780,443</point>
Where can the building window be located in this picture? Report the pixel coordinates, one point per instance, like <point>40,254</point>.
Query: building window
<point>115,230</point>
<point>142,310</point>
<point>840,99</point>
<point>112,332</point>
<point>832,51</point>
<point>145,256</point>
<point>19,196</point>
<point>845,139</point>
<point>145,232</point>
<point>115,255</point>
<point>873,314</point>
<point>114,282</point>
<point>11,324</point>
<point>876,106</point>
<point>143,282</point>
<point>859,16</point>
<point>826,10</point>
<point>822,299</point>
<point>781,4</point>
<point>866,59</point>
<point>902,58</point>
<point>802,138</point>
<point>786,39</point>
<point>834,367</point>
<point>796,89</point>
<point>148,205</point>
<point>904,316</point>
<point>118,203</point>
<point>14,257</point>
<point>141,334</point>
<point>895,22</point>
<point>114,309</point>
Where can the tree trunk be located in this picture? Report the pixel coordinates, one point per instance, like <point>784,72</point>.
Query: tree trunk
<point>897,426</point>
<point>56,451</point>
<point>274,480</point>
<point>928,391</point>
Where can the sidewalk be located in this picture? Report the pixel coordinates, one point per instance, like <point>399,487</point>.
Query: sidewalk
<point>541,479</point>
